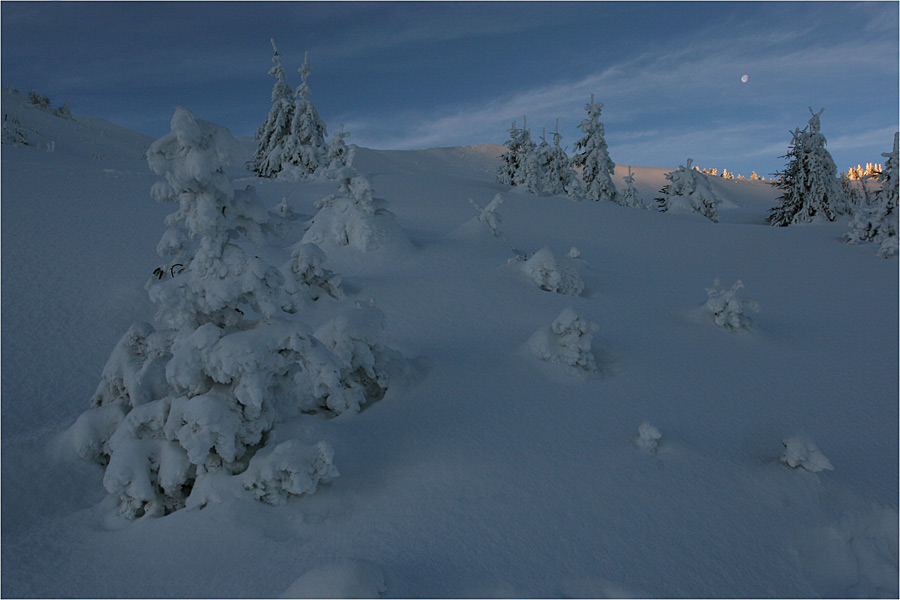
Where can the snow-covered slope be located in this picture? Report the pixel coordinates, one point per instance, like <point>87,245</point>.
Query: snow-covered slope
<point>490,472</point>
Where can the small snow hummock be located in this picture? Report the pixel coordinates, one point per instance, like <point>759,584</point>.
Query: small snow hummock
<point>553,273</point>
<point>648,437</point>
<point>727,308</point>
<point>292,468</point>
<point>567,341</point>
<point>489,215</point>
<point>800,451</point>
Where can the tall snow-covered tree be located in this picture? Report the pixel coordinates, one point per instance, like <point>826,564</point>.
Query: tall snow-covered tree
<point>594,157</point>
<point>689,191</point>
<point>305,146</point>
<point>809,182</point>
<point>268,160</point>
<point>557,176</point>
<point>195,398</point>
<point>878,223</point>
<point>520,166</point>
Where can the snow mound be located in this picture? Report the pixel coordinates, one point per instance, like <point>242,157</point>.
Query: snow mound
<point>566,341</point>
<point>800,451</point>
<point>338,579</point>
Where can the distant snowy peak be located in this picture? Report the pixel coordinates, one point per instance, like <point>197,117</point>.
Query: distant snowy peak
<point>44,128</point>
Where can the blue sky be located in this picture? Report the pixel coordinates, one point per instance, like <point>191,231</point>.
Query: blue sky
<point>412,75</point>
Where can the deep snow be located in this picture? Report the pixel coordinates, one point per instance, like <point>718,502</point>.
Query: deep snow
<point>489,472</point>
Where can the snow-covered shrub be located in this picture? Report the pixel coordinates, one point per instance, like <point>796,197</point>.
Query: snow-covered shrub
<point>800,451</point>
<point>648,437</point>
<point>689,191</point>
<point>353,218</point>
<point>553,273</point>
<point>598,168</point>
<point>489,215</point>
<point>809,182</point>
<point>727,308</point>
<point>307,278</point>
<point>292,468</point>
<point>566,341</point>
<point>366,366</point>
<point>879,222</point>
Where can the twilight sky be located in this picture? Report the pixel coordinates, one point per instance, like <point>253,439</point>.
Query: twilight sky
<point>413,75</point>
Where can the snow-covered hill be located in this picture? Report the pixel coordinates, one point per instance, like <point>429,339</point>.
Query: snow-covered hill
<point>489,472</point>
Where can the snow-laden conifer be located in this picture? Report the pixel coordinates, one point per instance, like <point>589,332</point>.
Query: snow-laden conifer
<point>878,223</point>
<point>728,310</point>
<point>630,195</point>
<point>598,168</point>
<point>809,182</point>
<point>305,145</point>
<point>566,341</point>
<point>556,174</point>
<point>197,397</point>
<point>337,154</point>
<point>268,160</point>
<point>520,161</point>
<point>553,273</point>
<point>689,191</point>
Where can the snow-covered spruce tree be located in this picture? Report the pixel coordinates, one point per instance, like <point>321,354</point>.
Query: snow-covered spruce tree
<point>809,182</point>
<point>193,400</point>
<point>520,163</point>
<point>594,157</point>
<point>567,341</point>
<point>268,160</point>
<point>305,146</point>
<point>337,154</point>
<point>878,223</point>
<point>630,196</point>
<point>689,191</point>
<point>556,174</point>
<point>727,308</point>
<point>506,173</point>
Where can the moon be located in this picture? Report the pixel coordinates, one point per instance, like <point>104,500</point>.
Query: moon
<point>745,78</point>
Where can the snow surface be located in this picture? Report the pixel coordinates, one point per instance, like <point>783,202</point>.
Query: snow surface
<point>488,473</point>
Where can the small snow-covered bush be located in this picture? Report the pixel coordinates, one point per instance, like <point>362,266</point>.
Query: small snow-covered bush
<point>292,468</point>
<point>354,218</point>
<point>727,308</point>
<point>566,341</point>
<point>648,437</point>
<point>689,191</point>
<point>489,215</point>
<point>800,451</point>
<point>366,366</point>
<point>553,273</point>
<point>307,278</point>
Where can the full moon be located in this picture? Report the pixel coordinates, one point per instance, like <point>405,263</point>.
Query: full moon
<point>745,78</point>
